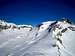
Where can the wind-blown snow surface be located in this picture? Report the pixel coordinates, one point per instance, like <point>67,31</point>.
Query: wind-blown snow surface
<point>14,42</point>
<point>69,43</point>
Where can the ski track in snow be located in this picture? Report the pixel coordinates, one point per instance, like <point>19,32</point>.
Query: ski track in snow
<point>15,48</point>
<point>14,42</point>
<point>31,43</point>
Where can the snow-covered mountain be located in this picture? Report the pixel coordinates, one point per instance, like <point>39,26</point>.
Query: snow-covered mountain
<point>51,38</point>
<point>5,25</point>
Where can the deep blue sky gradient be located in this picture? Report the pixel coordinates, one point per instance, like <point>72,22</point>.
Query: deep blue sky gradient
<point>36,11</point>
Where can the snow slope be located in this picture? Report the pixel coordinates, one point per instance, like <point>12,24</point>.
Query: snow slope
<point>39,41</point>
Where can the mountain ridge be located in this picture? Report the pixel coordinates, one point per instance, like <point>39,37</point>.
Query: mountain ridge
<point>48,38</point>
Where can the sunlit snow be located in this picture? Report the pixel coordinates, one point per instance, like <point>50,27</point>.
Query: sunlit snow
<point>38,42</point>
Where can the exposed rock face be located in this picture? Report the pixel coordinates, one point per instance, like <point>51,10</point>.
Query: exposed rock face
<point>51,38</point>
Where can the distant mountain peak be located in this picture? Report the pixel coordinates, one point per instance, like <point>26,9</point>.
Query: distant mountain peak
<point>7,25</point>
<point>62,23</point>
<point>55,38</point>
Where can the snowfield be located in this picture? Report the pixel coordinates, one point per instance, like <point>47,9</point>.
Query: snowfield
<point>38,42</point>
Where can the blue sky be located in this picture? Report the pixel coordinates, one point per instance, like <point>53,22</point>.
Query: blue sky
<point>36,11</point>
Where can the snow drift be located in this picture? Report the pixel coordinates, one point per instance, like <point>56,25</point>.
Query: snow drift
<point>51,38</point>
